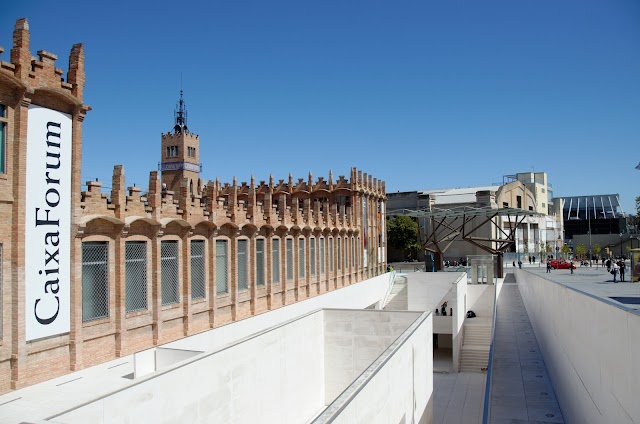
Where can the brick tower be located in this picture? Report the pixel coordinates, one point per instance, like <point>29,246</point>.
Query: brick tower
<point>180,155</point>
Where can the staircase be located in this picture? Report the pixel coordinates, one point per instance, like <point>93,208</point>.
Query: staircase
<point>474,355</point>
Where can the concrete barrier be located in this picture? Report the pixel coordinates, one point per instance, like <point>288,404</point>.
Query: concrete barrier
<point>591,348</point>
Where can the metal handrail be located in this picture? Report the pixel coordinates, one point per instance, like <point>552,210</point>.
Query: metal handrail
<point>388,293</point>
<point>486,413</point>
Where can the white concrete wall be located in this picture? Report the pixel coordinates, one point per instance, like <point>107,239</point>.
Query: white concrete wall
<point>353,340</point>
<point>442,325</point>
<point>144,362</point>
<point>480,299</point>
<point>460,289</point>
<point>167,357</point>
<point>591,349</point>
<point>356,296</point>
<point>401,387</point>
<point>247,383</point>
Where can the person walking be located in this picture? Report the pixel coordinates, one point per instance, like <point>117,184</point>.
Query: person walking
<point>614,270</point>
<point>520,264</point>
<point>622,269</point>
<point>548,267</point>
<point>571,266</point>
<point>608,264</point>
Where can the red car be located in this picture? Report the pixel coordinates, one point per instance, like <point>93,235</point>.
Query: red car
<point>561,264</point>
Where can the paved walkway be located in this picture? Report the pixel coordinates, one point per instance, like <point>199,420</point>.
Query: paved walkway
<point>458,398</point>
<point>521,391</point>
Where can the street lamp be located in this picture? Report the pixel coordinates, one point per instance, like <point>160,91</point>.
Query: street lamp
<point>589,219</point>
<point>620,245</point>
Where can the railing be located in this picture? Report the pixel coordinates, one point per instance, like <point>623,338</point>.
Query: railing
<point>392,281</point>
<point>486,413</point>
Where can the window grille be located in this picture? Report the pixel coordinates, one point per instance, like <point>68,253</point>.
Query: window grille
<point>198,275</point>
<point>346,254</point>
<point>0,291</point>
<point>322,258</point>
<point>222,284</point>
<point>260,262</point>
<point>330,255</point>
<point>3,137</point>
<point>353,252</point>
<point>312,256</point>
<point>169,272</point>
<point>275,260</point>
<point>243,277</point>
<point>135,270</point>
<point>301,258</point>
<point>339,253</point>
<point>289,259</point>
<point>95,280</point>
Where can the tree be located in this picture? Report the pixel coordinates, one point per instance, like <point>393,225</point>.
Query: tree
<point>597,249</point>
<point>581,250</point>
<point>402,233</point>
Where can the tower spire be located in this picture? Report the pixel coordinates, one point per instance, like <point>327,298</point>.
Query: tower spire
<point>181,114</point>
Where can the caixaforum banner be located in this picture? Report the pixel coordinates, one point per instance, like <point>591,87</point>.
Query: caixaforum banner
<point>48,223</point>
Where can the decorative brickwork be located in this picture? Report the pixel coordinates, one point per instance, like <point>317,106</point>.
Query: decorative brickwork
<point>177,206</point>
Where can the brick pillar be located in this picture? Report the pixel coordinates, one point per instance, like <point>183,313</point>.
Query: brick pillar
<point>156,292</point>
<point>18,331</point>
<point>251,260</point>
<point>75,335</point>
<point>120,293</point>
<point>211,274</point>
<point>233,274</point>
<point>268,251</point>
<point>186,283</point>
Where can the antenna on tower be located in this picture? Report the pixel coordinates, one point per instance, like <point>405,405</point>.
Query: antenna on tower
<point>181,113</point>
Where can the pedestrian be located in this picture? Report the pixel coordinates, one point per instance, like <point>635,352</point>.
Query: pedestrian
<point>571,266</point>
<point>514,264</point>
<point>549,267</point>
<point>529,259</point>
<point>520,264</point>
<point>614,270</point>
<point>602,262</point>
<point>534,259</point>
<point>622,269</point>
<point>608,264</point>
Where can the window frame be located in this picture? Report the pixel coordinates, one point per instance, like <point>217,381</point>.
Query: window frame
<point>4,124</point>
<point>129,287</point>
<point>245,265</point>
<point>203,257</point>
<point>165,285</point>
<point>275,262</point>
<point>106,294</point>
<point>225,243</point>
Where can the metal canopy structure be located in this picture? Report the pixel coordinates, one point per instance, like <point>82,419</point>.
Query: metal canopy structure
<point>447,225</point>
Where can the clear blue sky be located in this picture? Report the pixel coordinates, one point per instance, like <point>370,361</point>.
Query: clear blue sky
<point>421,94</point>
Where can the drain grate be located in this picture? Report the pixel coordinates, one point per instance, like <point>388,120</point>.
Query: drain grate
<point>626,299</point>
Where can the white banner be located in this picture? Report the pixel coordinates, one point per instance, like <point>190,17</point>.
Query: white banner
<point>48,223</point>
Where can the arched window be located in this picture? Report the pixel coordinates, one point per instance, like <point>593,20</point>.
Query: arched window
<point>222,253</point>
<point>275,260</point>
<point>260,262</point>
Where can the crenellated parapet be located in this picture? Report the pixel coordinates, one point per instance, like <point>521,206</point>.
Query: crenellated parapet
<point>314,205</point>
<point>41,72</point>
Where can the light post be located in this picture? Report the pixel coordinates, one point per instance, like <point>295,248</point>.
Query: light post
<point>620,245</point>
<point>589,219</point>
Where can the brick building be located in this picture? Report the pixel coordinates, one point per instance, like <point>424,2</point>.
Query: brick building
<point>127,270</point>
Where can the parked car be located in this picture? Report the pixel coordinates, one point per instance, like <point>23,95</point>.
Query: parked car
<point>561,264</point>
